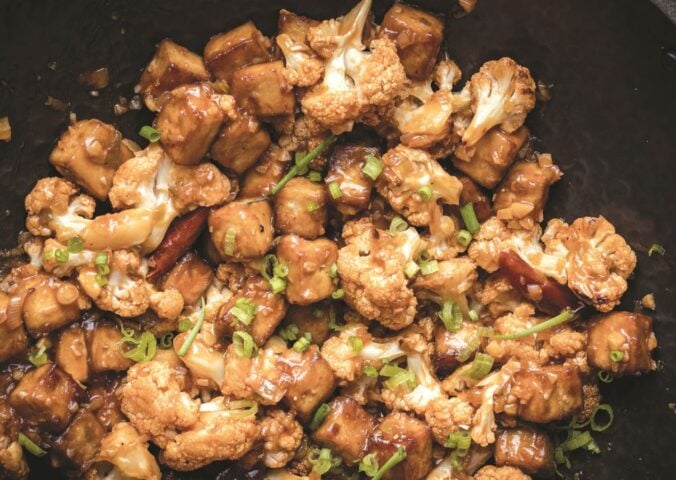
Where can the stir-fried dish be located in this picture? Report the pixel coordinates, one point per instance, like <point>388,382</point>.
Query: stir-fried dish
<point>327,261</point>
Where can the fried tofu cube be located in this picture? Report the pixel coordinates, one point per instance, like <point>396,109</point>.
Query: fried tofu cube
<point>71,353</point>
<point>262,90</point>
<point>50,307</point>
<point>79,444</point>
<point>189,122</point>
<point>171,66</point>
<point>526,448</point>
<point>300,208</point>
<point>191,276</point>
<point>239,47</point>
<point>312,319</point>
<point>402,430</point>
<point>345,429</point>
<point>46,396</point>
<point>88,153</point>
<point>105,349</point>
<point>240,143</point>
<point>242,230</point>
<point>262,178</point>
<point>295,26</point>
<point>345,167</point>
<point>474,194</point>
<point>312,381</point>
<point>14,338</point>
<point>418,36</point>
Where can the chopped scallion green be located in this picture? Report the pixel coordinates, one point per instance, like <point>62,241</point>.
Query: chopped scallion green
<point>398,225</point>
<point>30,445</point>
<point>301,164</point>
<point>244,310</point>
<point>335,191</point>
<point>244,344</point>
<point>319,416</point>
<point>373,167</point>
<point>75,245</point>
<point>616,356</point>
<point>426,192</point>
<point>470,219</point>
<point>338,294</point>
<point>149,133</point>
<point>312,207</point>
<point>195,330</point>
<point>464,238</point>
<point>656,248</point>
<point>481,366</point>
<point>356,343</point>
<point>561,318</point>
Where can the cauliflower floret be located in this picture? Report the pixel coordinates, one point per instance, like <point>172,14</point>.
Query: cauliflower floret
<point>13,465</point>
<point>303,67</point>
<point>127,451</point>
<point>598,260</point>
<point>406,171</point>
<point>453,281</point>
<point>497,295</point>
<point>155,402</point>
<point>167,304</point>
<point>427,389</point>
<point>219,434</point>
<point>490,472</point>
<point>371,268</point>
<point>354,79</point>
<point>282,435</point>
<point>204,359</point>
<point>448,415</point>
<point>503,93</point>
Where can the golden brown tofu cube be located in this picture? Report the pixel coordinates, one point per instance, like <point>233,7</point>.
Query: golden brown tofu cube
<point>345,429</point>
<point>189,122</point>
<point>104,401</point>
<point>313,319</point>
<point>449,345</point>
<point>14,338</point>
<point>79,444</point>
<point>345,170</point>
<point>105,349</point>
<point>191,276</point>
<point>242,230</point>
<point>300,208</point>
<point>312,381</point>
<point>526,448</point>
<point>171,66</point>
<point>270,309</point>
<point>487,161</point>
<point>46,396</point>
<point>241,46</point>
<point>71,353</point>
<point>240,143</point>
<point>309,263</point>
<point>402,430</point>
<point>262,90</point>
<point>50,307</point>
<point>628,334</point>
<point>418,36</point>
<point>88,153</point>
<point>295,26</point>
<point>260,179</point>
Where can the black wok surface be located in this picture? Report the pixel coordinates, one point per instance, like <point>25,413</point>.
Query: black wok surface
<point>611,126</point>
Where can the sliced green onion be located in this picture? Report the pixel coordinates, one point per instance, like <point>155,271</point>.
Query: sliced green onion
<point>411,269</point>
<point>103,269</point>
<point>397,376</point>
<point>312,207</point>
<point>302,164</point>
<point>290,333</point>
<point>149,133</point>
<point>464,238</point>
<point>561,318</point>
<point>333,270</point>
<point>242,408</point>
<point>429,267</point>
<point>469,349</point>
<point>451,316</point>
<point>485,331</point>
<point>373,167</point>
<point>270,261</point>
<point>398,225</point>
<point>369,465</point>
<point>229,242</point>
<point>38,357</point>
<point>335,191</point>
<point>195,330</point>
<point>184,324</point>
<point>338,294</point>
<point>102,280</point>
<point>302,343</point>
<point>370,371</point>
<point>356,343</point>
<point>314,176</point>
<point>616,356</point>
<point>606,377</point>
<point>126,332</point>
<point>31,446</point>
<point>166,340</point>
<point>469,217</point>
<point>319,416</point>
<point>577,440</point>
<point>61,255</point>
<point>473,315</point>
<point>600,427</point>
<point>244,344</point>
<point>75,245</point>
<point>277,285</point>
<point>322,461</point>
<point>426,192</point>
<point>244,310</point>
<point>101,259</point>
<point>281,270</point>
<point>656,248</point>
<point>48,255</point>
<point>397,457</point>
<point>481,366</point>
<point>145,349</point>
<point>333,322</point>
<point>298,161</point>
<point>461,440</point>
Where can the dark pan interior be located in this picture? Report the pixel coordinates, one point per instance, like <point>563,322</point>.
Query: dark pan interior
<point>611,126</point>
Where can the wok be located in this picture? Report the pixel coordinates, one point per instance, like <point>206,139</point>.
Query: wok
<point>611,126</point>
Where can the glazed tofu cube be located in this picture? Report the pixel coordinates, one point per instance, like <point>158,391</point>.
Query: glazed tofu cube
<point>240,143</point>
<point>79,444</point>
<point>50,307</point>
<point>46,396</point>
<point>88,153</point>
<point>449,345</point>
<point>312,381</point>
<point>242,230</point>
<point>300,208</point>
<point>418,36</point>
<point>345,167</point>
<point>14,338</point>
<point>260,179</point>
<point>309,263</point>
<point>71,353</point>
<point>472,193</point>
<point>104,401</point>
<point>345,429</point>
<point>105,350</point>
<point>313,319</point>
<point>241,46</point>
<point>295,26</point>
<point>402,430</point>
<point>487,161</point>
<point>262,90</point>
<point>526,448</point>
<point>171,66</point>
<point>191,276</point>
<point>189,122</point>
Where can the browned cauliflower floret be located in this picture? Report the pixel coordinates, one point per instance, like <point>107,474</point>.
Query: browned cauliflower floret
<point>490,472</point>
<point>262,378</point>
<point>155,402</point>
<point>452,281</point>
<point>303,67</point>
<point>127,452</point>
<point>503,93</point>
<point>408,176</point>
<point>220,433</point>
<point>282,435</point>
<point>167,304</point>
<point>448,415</point>
<point>371,268</point>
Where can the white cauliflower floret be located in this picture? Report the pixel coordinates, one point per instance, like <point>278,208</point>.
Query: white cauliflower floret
<point>204,359</point>
<point>127,452</point>
<point>155,402</point>
<point>281,434</point>
<point>406,171</point>
<point>303,67</point>
<point>426,390</point>
<point>448,415</point>
<point>503,93</point>
<point>371,268</point>
<point>453,281</point>
<point>220,433</point>
<point>354,79</point>
<point>490,472</point>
